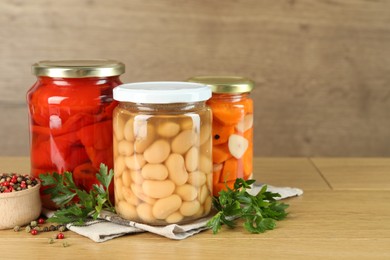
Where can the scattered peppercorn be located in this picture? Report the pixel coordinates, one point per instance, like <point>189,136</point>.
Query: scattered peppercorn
<point>65,244</point>
<point>62,228</point>
<point>60,236</point>
<point>33,223</point>
<point>17,228</point>
<point>52,228</point>
<point>41,221</point>
<point>34,232</point>
<point>51,241</point>
<point>45,229</point>
<point>28,229</point>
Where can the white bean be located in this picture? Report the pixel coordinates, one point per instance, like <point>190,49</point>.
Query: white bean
<point>158,151</point>
<point>166,206</point>
<point>130,196</point>
<point>205,132</point>
<point>135,162</point>
<point>187,192</point>
<point>154,172</point>
<point>189,208</point>
<point>137,190</point>
<point>176,169</point>
<point>204,193</point>
<point>175,217</point>
<point>136,177</point>
<point>183,141</point>
<point>168,129</point>
<point>192,159</point>
<point>144,211</point>
<point>119,166</point>
<point>197,178</point>
<point>126,210</point>
<point>205,164</point>
<point>126,178</point>
<point>158,189</point>
<point>125,148</point>
<point>128,131</point>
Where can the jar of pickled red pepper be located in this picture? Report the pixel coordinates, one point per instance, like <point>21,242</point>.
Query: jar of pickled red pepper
<point>162,152</point>
<point>232,110</point>
<point>70,115</point>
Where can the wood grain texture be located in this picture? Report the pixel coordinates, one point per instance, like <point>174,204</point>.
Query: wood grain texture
<point>355,173</point>
<point>322,224</point>
<point>321,66</point>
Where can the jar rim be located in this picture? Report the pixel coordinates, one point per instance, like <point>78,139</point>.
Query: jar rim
<point>78,68</point>
<point>162,92</point>
<point>225,84</point>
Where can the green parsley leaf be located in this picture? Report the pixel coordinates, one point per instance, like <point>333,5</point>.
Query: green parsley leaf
<point>77,205</point>
<point>259,212</point>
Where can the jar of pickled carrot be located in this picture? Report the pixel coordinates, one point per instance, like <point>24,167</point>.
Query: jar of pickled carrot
<point>162,152</point>
<point>70,115</point>
<point>232,110</point>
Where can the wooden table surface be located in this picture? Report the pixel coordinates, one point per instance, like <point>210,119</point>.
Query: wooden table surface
<point>343,213</point>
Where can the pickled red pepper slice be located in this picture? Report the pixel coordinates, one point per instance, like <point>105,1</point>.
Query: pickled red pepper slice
<point>97,135</point>
<point>65,103</point>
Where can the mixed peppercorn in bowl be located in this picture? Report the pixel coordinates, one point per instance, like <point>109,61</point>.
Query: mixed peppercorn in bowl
<point>20,202</point>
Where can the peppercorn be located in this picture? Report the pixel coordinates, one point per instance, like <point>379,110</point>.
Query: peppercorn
<point>45,229</point>
<point>17,228</point>
<point>34,232</point>
<point>41,220</point>
<point>33,223</point>
<point>52,228</point>
<point>62,228</point>
<point>60,236</point>
<point>51,240</point>
<point>28,229</point>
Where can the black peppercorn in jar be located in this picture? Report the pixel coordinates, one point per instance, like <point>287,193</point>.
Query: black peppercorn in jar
<point>162,152</point>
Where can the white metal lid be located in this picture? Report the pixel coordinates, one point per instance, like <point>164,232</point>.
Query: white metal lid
<point>162,92</point>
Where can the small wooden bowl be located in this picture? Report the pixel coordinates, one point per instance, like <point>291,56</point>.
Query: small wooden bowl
<point>20,207</point>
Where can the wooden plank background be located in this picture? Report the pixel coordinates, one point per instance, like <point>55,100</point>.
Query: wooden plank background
<point>322,67</point>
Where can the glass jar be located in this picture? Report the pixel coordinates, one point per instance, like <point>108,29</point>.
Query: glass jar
<point>162,152</point>
<point>70,115</point>
<point>232,110</point>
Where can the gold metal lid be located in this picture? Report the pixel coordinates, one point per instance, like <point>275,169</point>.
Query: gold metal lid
<point>228,84</point>
<point>78,68</point>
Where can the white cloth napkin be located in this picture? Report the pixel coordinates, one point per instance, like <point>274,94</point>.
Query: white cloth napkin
<point>110,225</point>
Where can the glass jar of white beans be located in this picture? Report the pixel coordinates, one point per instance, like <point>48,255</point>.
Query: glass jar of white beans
<point>162,152</point>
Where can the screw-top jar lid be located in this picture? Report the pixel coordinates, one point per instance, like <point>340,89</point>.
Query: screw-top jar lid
<point>227,84</point>
<point>78,68</point>
<point>164,92</point>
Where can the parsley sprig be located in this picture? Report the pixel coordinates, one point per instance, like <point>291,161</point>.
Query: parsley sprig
<point>259,212</point>
<point>63,190</point>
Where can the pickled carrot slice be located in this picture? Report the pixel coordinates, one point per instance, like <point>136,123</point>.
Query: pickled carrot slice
<point>248,105</point>
<point>247,160</point>
<point>217,174</point>
<point>227,114</point>
<point>229,170</point>
<point>221,133</point>
<point>221,153</point>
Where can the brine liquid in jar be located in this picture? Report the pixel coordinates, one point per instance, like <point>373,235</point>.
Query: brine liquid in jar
<point>70,114</point>
<point>162,152</point>
<point>232,133</point>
